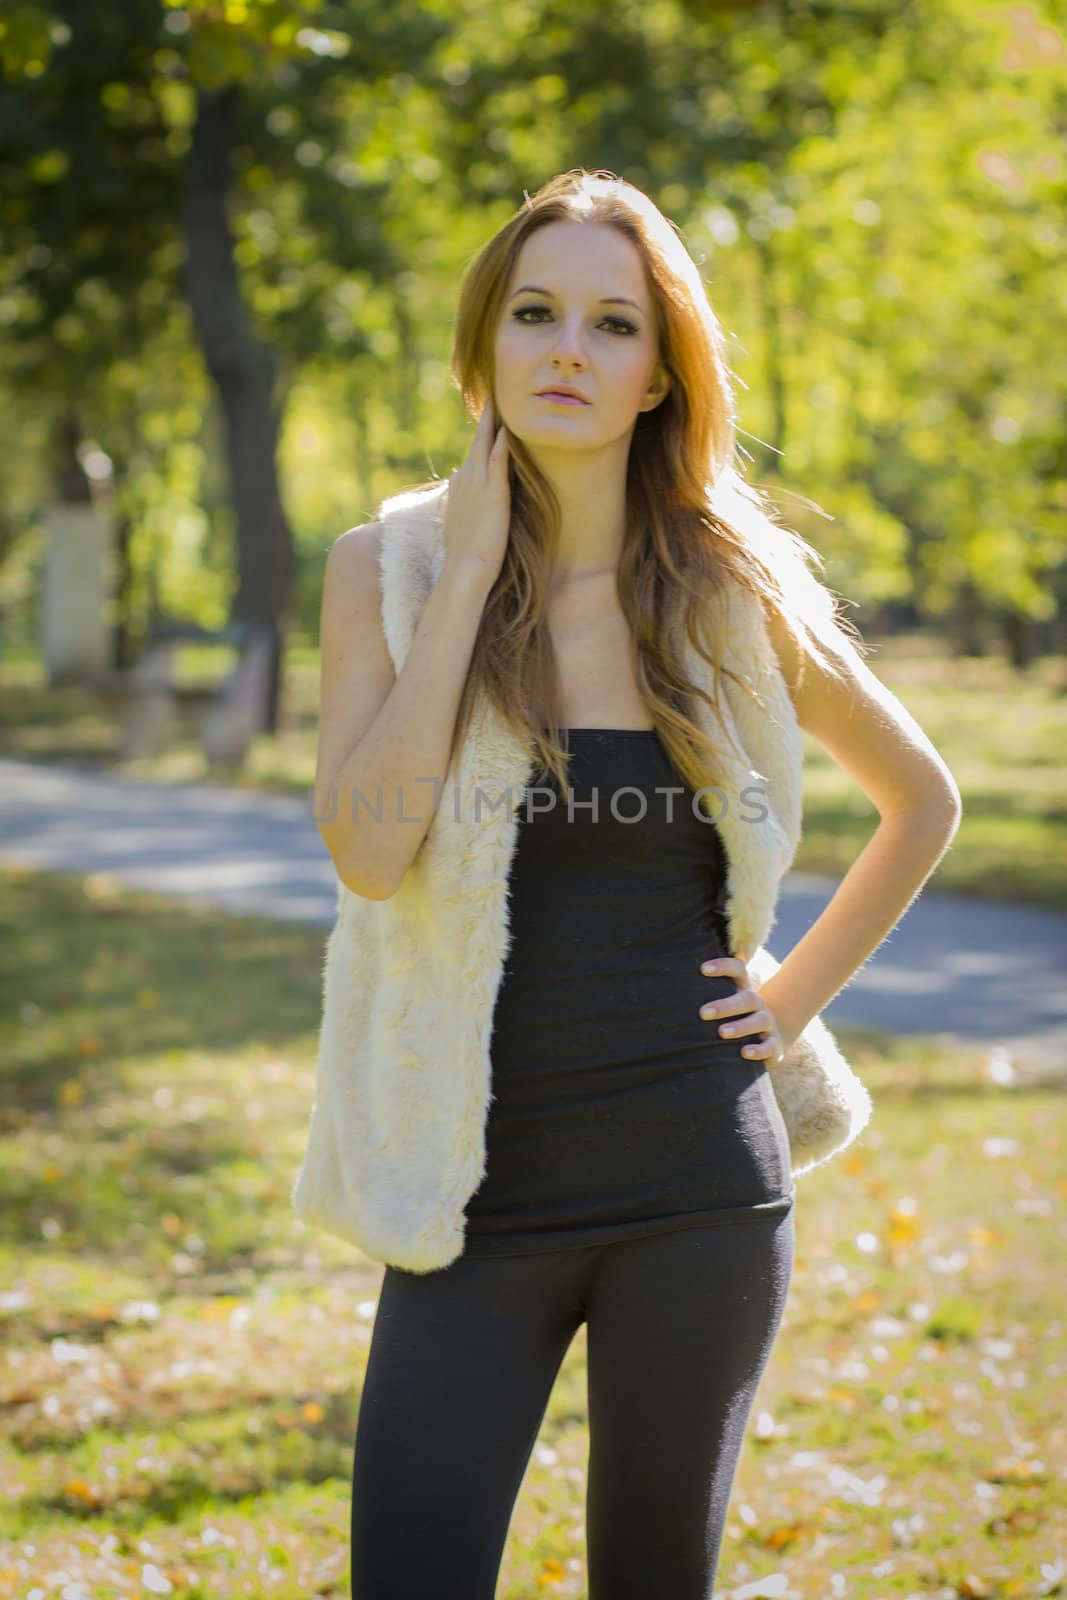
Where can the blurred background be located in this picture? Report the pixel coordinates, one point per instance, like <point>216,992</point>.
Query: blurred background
<point>231,238</point>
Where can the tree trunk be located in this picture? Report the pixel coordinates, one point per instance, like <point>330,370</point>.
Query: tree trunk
<point>967,619</point>
<point>1020,636</point>
<point>243,370</point>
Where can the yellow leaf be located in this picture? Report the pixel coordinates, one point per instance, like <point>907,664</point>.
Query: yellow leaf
<point>79,1490</point>
<point>903,1227</point>
<point>981,1236</point>
<point>787,1534</point>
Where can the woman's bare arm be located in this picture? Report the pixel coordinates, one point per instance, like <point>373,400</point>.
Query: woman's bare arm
<point>874,739</point>
<point>385,738</point>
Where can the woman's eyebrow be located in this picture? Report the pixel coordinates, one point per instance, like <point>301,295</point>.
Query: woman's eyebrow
<point>606,300</point>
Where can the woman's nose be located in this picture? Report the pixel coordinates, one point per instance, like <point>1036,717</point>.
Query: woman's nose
<point>570,344</point>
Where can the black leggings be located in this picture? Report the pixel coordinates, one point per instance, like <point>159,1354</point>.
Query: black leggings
<point>461,1366</point>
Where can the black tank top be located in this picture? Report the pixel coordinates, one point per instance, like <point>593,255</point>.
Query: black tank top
<point>616,1111</point>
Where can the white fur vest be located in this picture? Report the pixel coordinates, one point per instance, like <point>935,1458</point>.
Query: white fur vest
<point>397,1139</point>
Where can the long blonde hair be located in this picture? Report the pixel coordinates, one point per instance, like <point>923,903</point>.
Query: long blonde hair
<point>693,524</point>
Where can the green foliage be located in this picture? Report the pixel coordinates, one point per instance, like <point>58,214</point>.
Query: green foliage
<point>875,194</point>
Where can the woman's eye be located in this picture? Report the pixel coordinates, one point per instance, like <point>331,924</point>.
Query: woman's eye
<point>619,322</point>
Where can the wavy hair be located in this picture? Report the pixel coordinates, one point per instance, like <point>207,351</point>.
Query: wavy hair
<point>693,524</point>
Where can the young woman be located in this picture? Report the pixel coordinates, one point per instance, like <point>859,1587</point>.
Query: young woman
<point>637,1175</point>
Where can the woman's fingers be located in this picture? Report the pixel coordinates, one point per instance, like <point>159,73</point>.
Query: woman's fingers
<point>769,1048</point>
<point>761,1021</point>
<point>758,1020</point>
<point>740,1003</point>
<point>743,1014</point>
<point>493,438</point>
<point>478,509</point>
<point>727,967</point>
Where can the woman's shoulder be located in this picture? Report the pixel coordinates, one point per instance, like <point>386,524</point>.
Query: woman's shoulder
<point>419,503</point>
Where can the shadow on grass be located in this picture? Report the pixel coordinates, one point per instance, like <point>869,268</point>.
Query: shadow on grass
<point>148,1049</point>
<point>97,973</point>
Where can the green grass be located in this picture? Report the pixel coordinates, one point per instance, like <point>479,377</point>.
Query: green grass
<point>1001,732</point>
<point>181,1360</point>
<point>1003,735</point>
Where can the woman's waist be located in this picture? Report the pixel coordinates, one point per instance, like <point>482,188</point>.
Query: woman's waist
<point>655,985</point>
<point>565,1105</point>
<point>619,1031</point>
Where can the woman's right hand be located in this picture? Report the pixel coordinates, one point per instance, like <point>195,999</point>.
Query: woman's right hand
<point>478,507</point>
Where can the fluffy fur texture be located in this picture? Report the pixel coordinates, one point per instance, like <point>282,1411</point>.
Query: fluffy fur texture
<point>397,1139</point>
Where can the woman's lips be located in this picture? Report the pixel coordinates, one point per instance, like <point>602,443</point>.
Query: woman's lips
<point>562,399</point>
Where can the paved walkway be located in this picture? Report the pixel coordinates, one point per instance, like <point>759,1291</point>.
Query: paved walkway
<point>975,969</point>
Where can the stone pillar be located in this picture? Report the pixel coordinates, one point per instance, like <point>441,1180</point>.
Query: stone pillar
<point>75,636</point>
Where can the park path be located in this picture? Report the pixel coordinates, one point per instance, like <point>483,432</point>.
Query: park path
<point>974,969</point>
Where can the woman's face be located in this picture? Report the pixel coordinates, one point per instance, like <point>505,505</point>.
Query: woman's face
<point>563,330</point>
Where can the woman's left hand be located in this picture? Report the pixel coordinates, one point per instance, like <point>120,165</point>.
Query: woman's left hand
<point>748,1018</point>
